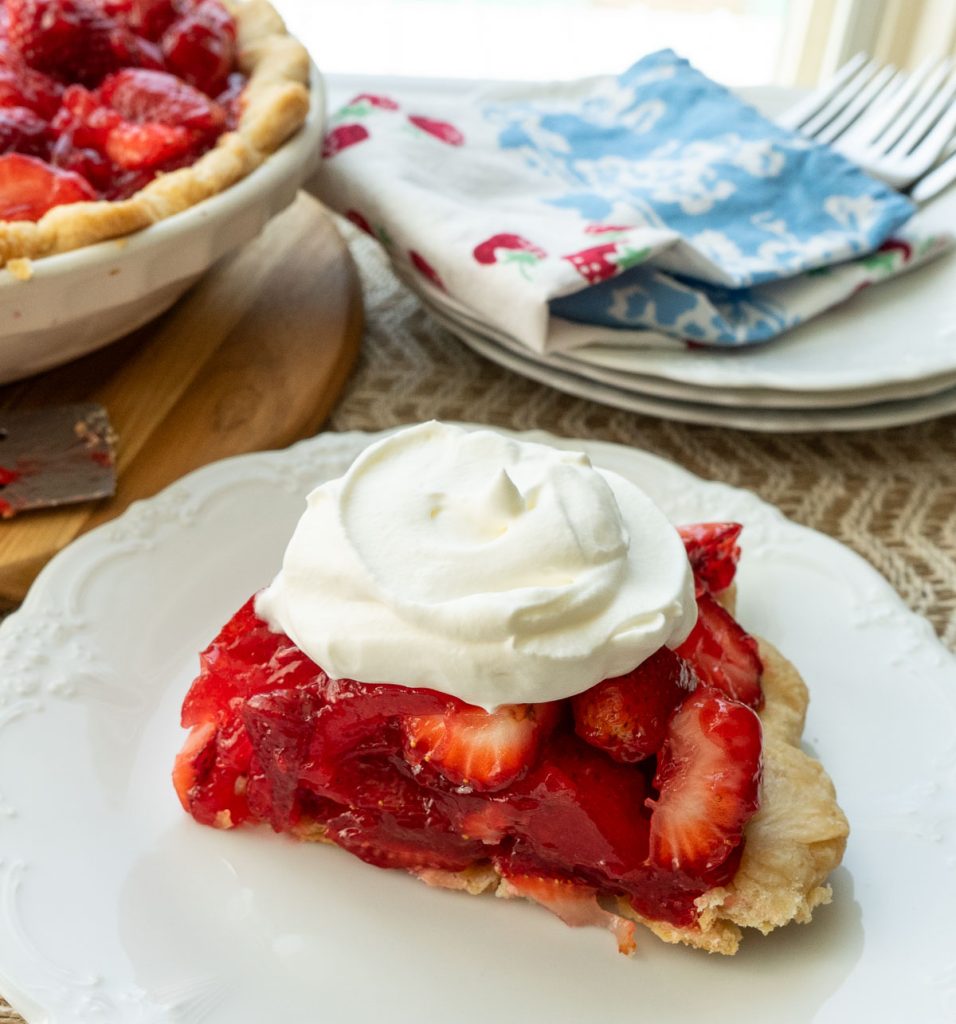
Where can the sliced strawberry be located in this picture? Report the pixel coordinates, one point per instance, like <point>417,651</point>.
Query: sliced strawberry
<point>708,778</point>
<point>146,146</point>
<point>29,187</point>
<point>23,131</point>
<point>141,96</point>
<point>722,654</point>
<point>713,552</point>
<point>627,717</point>
<point>200,46</point>
<point>478,749</point>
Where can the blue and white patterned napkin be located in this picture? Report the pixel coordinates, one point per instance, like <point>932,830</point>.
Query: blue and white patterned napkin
<point>655,206</point>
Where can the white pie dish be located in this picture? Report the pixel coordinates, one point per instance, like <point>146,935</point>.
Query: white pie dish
<point>118,908</point>
<point>76,302</point>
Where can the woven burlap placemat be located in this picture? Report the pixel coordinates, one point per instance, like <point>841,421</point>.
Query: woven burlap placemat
<point>890,494</point>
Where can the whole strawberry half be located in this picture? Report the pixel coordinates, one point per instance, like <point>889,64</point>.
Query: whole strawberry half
<point>627,716</point>
<point>137,147</point>
<point>708,780</point>
<point>142,96</point>
<point>200,46</point>
<point>722,654</point>
<point>441,130</point>
<point>30,187</point>
<point>713,552</point>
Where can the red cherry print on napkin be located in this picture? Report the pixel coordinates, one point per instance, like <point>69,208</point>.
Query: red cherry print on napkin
<point>488,252</point>
<point>426,269</point>
<point>441,130</point>
<point>342,137</point>
<point>382,102</point>
<point>359,221</point>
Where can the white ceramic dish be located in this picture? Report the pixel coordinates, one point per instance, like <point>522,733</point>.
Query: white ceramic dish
<point>741,417</point>
<point>79,301</point>
<point>118,909</point>
<point>579,364</point>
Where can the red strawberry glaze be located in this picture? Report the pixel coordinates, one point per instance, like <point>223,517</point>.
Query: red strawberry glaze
<point>419,780</point>
<point>113,91</point>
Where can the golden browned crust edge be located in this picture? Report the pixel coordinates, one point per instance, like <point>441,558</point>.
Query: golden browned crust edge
<point>276,106</point>
<point>793,842</point>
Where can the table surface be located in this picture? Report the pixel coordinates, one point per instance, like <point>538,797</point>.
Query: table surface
<point>890,495</point>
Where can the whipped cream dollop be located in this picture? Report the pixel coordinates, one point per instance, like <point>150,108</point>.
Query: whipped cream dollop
<point>483,567</point>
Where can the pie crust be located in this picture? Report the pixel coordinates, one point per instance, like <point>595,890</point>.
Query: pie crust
<point>276,104</point>
<point>793,842</point>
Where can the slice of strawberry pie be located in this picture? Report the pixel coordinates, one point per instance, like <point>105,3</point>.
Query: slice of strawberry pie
<point>491,665</point>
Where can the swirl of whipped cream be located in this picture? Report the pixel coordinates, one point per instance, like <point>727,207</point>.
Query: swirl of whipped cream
<point>487,568</point>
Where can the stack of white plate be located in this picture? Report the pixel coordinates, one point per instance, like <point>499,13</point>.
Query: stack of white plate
<point>884,358</point>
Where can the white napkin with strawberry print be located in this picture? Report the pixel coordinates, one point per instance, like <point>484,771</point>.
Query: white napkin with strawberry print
<point>650,208</point>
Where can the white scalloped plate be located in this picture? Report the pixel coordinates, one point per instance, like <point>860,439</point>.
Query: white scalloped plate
<point>745,416</point>
<point>118,909</point>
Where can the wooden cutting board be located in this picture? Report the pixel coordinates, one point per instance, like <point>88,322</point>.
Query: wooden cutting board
<point>253,357</point>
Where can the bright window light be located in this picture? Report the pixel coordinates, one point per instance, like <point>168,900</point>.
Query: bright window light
<point>734,41</point>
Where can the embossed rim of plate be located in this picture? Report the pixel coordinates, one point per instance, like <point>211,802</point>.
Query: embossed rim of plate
<point>170,534</point>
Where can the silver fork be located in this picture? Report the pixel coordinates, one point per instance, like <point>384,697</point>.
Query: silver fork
<point>899,127</point>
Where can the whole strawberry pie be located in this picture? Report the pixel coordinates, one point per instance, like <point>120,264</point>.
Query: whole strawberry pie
<point>115,114</point>
<point>489,664</point>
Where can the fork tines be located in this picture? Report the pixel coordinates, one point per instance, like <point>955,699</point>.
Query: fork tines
<point>894,125</point>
